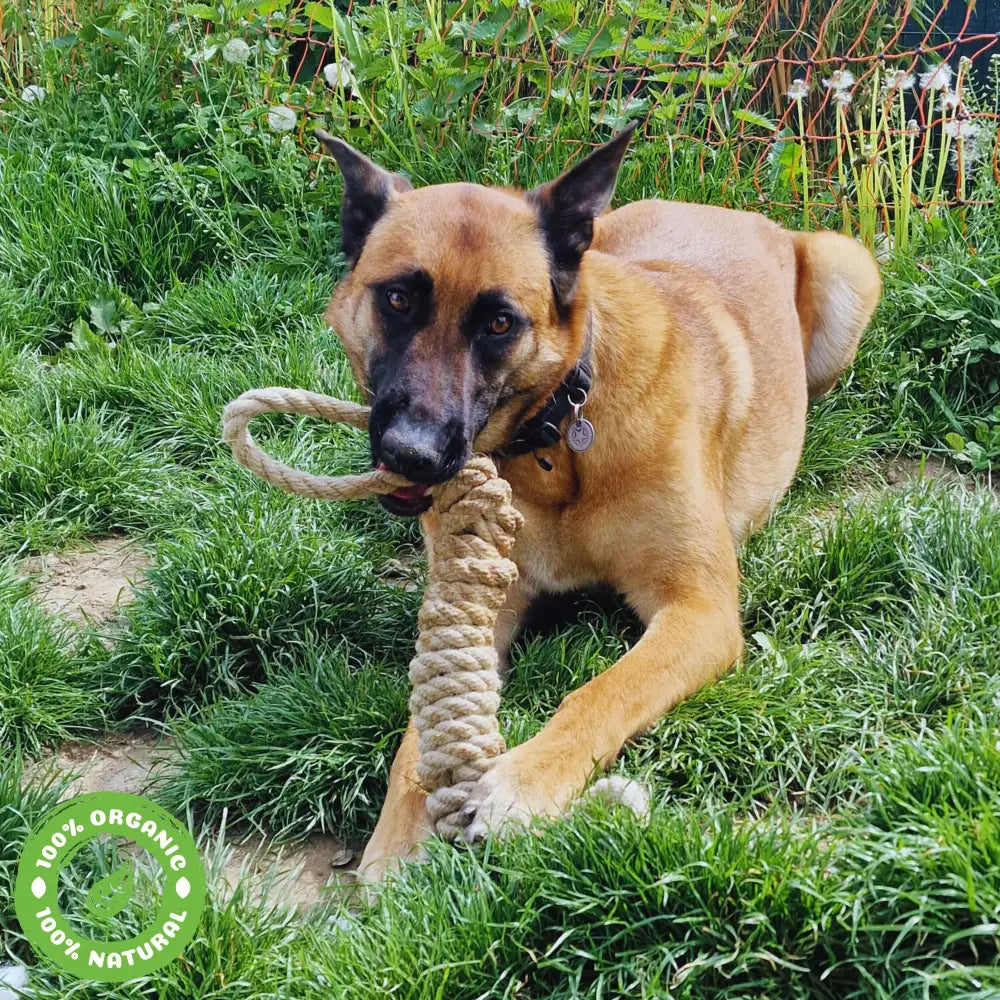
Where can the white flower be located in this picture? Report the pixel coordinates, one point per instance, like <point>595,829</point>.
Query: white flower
<point>32,93</point>
<point>897,80</point>
<point>282,118</point>
<point>340,75</point>
<point>839,81</point>
<point>937,77</point>
<point>797,90</point>
<point>236,51</point>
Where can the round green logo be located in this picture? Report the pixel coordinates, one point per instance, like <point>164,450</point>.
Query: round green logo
<point>56,932</point>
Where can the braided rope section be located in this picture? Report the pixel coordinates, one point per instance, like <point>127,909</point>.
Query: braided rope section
<point>456,685</point>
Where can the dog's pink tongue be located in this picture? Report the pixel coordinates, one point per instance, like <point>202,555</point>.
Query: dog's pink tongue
<point>414,492</point>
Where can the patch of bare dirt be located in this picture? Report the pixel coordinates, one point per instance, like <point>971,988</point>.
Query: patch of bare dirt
<point>120,762</point>
<point>297,874</point>
<point>901,471</point>
<point>89,582</point>
<point>406,572</point>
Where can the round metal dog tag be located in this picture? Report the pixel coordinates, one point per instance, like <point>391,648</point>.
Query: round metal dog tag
<point>580,434</point>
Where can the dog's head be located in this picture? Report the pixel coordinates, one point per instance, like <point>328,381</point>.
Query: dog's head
<point>461,312</point>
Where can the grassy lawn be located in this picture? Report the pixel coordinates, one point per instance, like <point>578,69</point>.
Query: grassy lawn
<point>826,818</point>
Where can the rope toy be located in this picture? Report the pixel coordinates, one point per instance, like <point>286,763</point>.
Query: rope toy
<point>456,684</point>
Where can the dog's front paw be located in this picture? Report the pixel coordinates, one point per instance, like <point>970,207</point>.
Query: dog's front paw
<point>518,787</point>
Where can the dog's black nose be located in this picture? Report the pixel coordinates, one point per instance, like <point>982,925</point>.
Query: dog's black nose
<point>416,450</point>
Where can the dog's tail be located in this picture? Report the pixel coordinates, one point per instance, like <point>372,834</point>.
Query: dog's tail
<point>837,289</point>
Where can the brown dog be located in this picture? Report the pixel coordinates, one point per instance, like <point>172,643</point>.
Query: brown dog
<point>480,318</point>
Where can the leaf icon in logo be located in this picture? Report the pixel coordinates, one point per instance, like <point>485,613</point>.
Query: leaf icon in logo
<point>112,894</point>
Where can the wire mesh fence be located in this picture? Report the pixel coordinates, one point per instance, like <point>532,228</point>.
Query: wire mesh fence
<point>878,112</point>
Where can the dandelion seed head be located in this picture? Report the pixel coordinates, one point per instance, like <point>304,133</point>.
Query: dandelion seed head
<point>971,152</point>
<point>339,74</point>
<point>963,130</point>
<point>839,80</point>
<point>282,118</point>
<point>950,101</point>
<point>236,51</point>
<point>797,90</point>
<point>842,97</point>
<point>897,80</point>
<point>937,77</point>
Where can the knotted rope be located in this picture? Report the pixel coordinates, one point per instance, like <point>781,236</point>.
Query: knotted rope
<point>456,685</point>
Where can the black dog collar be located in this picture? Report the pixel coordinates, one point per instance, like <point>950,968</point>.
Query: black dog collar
<point>543,430</point>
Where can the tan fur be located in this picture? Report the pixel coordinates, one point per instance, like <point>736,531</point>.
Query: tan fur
<point>710,330</point>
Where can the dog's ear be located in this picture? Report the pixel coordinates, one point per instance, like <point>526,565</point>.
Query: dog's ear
<point>367,189</point>
<point>568,206</point>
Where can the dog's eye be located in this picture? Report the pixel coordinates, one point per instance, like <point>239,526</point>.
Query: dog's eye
<point>501,324</point>
<point>398,300</point>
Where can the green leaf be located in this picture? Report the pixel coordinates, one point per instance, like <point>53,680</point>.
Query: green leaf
<point>752,118</point>
<point>102,314</point>
<point>62,42</point>
<point>466,85</point>
<point>357,51</point>
<point>955,441</point>
<point>585,41</point>
<point>486,30</point>
<point>201,10</point>
<point>114,35</point>
<point>112,894</point>
<point>321,13</point>
<point>788,164</point>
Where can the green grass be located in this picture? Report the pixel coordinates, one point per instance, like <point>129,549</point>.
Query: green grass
<point>332,730</point>
<point>22,805</point>
<point>897,898</point>
<point>824,818</point>
<point>46,690</point>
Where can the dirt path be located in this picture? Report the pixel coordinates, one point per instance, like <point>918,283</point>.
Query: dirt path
<point>87,582</point>
<point>124,762</point>
<point>901,471</point>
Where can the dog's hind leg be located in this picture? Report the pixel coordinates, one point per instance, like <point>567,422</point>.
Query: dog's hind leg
<point>837,289</point>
